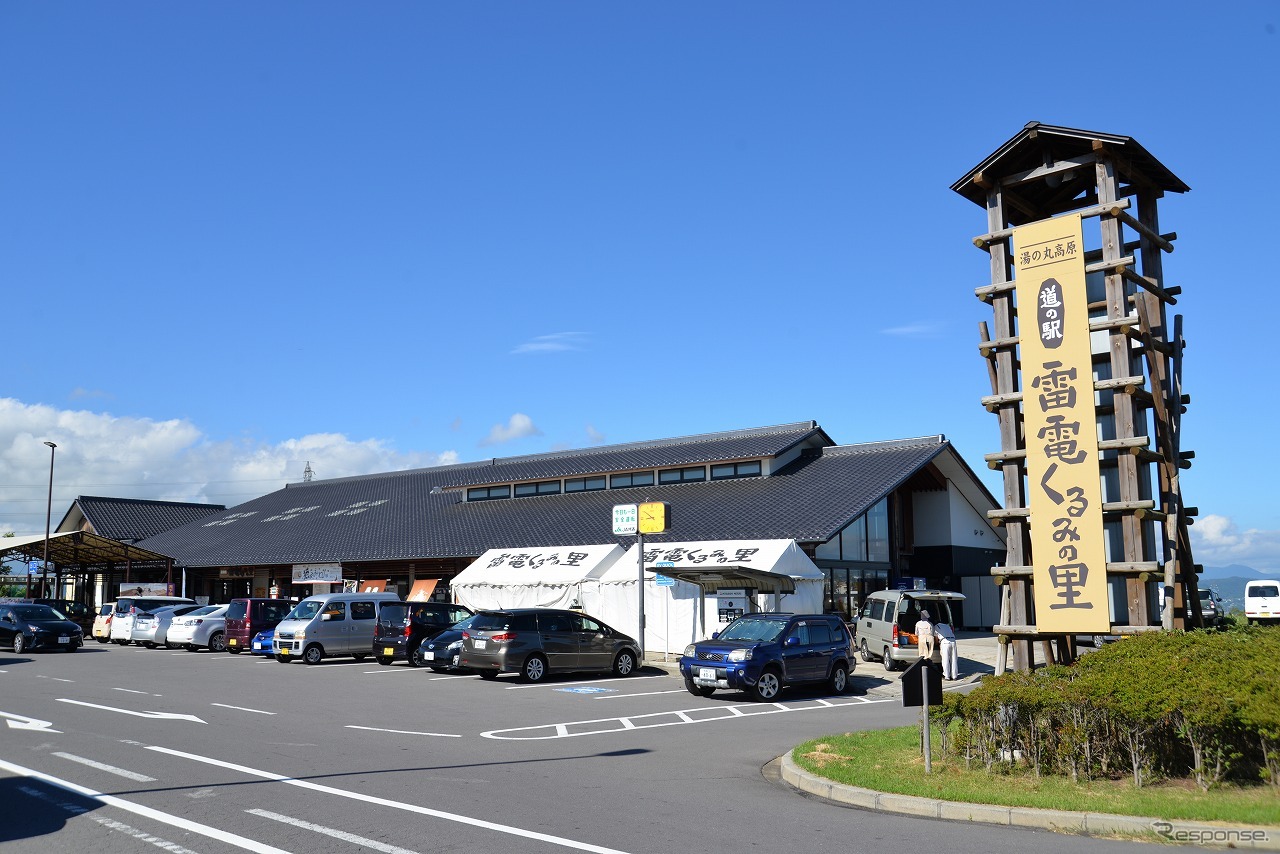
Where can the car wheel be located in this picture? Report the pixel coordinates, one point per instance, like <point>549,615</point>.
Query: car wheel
<point>488,674</point>
<point>385,660</point>
<point>698,690</point>
<point>839,681</point>
<point>624,664</point>
<point>313,654</point>
<point>889,664</point>
<point>416,659</point>
<point>535,669</point>
<point>218,642</point>
<point>19,644</point>
<point>283,659</point>
<point>865,651</point>
<point>168,645</point>
<point>767,687</point>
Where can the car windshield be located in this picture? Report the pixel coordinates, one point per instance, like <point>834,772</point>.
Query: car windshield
<point>465,624</point>
<point>200,612</point>
<point>36,612</point>
<point>305,610</point>
<point>752,629</point>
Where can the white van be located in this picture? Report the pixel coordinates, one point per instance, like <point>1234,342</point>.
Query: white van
<point>886,624</point>
<point>329,624</point>
<point>1262,601</point>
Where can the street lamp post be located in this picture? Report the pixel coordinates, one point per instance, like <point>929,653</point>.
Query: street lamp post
<point>48,514</point>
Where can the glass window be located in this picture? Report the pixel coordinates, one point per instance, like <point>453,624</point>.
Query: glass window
<point>635,478</point>
<point>546,487</point>
<point>584,484</point>
<point>854,540</point>
<point>802,632</point>
<point>362,611</point>
<point>725,471</point>
<point>488,493</point>
<point>336,611</point>
<point>586,624</point>
<point>878,532</point>
<point>688,474</point>
<point>820,633</point>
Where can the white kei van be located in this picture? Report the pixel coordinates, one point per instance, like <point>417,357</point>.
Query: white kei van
<point>887,623</point>
<point>1262,601</point>
<point>329,624</point>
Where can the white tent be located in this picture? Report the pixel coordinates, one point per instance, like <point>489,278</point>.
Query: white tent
<point>767,575</point>
<point>548,577</point>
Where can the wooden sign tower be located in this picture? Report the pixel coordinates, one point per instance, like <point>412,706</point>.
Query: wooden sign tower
<point>1073,214</point>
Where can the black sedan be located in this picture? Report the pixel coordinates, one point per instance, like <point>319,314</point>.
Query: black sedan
<point>31,627</point>
<point>442,651</point>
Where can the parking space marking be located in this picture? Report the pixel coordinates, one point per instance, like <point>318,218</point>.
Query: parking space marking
<point>109,823</point>
<point>387,802</point>
<point>132,691</point>
<point>102,766</point>
<point>329,831</point>
<point>584,682</point>
<point>677,717</point>
<point>642,694</point>
<point>54,678</point>
<point>148,812</point>
<point>403,731</point>
<point>243,709</point>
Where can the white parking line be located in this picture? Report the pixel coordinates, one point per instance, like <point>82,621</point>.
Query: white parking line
<point>132,691</point>
<point>148,812</point>
<point>583,682</point>
<point>243,709</point>
<point>119,772</point>
<point>403,731</point>
<point>677,717</point>
<point>54,678</point>
<point>386,802</point>
<point>643,694</point>
<point>336,834</point>
<point>109,823</point>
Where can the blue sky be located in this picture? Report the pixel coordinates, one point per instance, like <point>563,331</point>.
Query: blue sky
<point>239,237</point>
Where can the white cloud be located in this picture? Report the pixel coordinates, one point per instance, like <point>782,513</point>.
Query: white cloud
<point>125,457</point>
<point>915,330</point>
<point>553,343</point>
<point>594,435</point>
<point>1216,541</point>
<point>518,427</point>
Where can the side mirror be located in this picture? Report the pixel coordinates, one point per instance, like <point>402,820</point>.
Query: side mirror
<point>791,641</point>
<point>326,616</point>
<point>715,635</point>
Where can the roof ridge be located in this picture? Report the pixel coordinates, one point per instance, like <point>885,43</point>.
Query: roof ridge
<point>936,439</point>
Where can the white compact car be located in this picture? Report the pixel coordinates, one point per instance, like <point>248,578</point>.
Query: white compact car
<point>203,627</point>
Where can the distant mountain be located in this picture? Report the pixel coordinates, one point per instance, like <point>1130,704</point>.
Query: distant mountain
<point>1235,570</point>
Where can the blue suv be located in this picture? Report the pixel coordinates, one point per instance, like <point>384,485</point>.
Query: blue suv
<point>764,653</point>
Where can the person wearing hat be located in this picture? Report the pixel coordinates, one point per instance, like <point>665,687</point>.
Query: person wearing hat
<point>924,635</point>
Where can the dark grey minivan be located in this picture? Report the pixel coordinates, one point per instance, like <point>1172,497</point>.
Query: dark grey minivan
<point>537,641</point>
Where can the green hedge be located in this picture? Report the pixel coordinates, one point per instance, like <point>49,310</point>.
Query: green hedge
<point>1157,705</point>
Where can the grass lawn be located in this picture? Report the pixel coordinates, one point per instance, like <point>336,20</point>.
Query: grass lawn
<point>891,761</point>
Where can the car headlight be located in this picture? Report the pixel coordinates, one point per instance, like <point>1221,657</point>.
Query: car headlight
<point>740,654</point>
<point>299,635</point>
<point>690,651</point>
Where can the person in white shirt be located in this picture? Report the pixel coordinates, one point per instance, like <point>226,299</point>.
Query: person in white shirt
<point>947,645</point>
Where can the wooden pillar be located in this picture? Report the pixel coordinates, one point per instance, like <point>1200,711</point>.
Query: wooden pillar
<point>1018,592</point>
<point>1123,409</point>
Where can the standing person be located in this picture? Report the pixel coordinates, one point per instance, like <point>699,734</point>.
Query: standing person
<point>924,635</point>
<point>947,643</point>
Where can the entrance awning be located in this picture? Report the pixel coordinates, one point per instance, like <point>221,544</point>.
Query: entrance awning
<point>78,548</point>
<point>729,577</point>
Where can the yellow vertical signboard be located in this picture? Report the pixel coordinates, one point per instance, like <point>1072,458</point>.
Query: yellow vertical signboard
<point>1067,547</point>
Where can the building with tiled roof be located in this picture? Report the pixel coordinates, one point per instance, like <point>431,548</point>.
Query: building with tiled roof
<point>870,515</point>
<point>129,520</point>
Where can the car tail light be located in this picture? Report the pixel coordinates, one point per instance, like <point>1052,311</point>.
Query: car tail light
<point>504,636</point>
<point>895,634</point>
<point>133,609</point>
<point>407,629</point>
<point>465,634</point>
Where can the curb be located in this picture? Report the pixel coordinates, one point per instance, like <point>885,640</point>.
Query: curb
<point>1084,823</point>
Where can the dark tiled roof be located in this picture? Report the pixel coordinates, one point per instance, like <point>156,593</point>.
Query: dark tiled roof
<point>395,516</point>
<point>660,453</point>
<point>132,519</point>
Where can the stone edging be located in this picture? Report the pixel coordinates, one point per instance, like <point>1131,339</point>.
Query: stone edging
<point>1188,832</point>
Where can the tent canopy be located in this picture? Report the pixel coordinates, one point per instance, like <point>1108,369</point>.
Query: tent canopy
<point>766,566</point>
<point>72,548</point>
<point>554,566</point>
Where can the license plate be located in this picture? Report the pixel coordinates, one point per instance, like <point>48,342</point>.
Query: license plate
<point>284,650</point>
<point>388,650</point>
<point>428,655</point>
<point>707,673</point>
<point>63,639</point>
<point>231,642</point>
<point>478,644</point>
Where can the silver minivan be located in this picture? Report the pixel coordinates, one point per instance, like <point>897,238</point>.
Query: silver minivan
<point>329,624</point>
<point>886,627</point>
